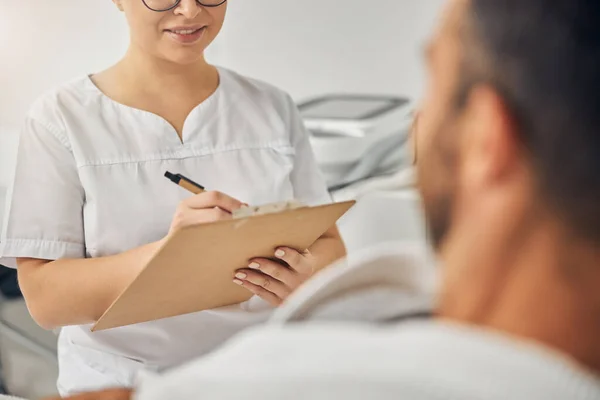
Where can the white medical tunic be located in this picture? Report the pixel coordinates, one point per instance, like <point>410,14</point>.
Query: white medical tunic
<point>90,183</point>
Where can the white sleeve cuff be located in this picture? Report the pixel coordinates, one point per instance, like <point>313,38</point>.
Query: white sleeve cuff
<point>11,249</point>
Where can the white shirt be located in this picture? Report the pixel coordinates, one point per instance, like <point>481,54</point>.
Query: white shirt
<point>90,183</point>
<point>416,361</point>
<point>333,339</point>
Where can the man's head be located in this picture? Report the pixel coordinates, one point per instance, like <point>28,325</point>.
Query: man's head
<point>509,145</point>
<point>532,67</point>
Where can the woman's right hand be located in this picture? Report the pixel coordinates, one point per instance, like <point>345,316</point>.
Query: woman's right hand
<point>94,284</point>
<point>203,208</point>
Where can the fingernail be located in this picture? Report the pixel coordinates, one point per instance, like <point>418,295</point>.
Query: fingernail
<point>238,282</point>
<point>254,265</point>
<point>279,253</point>
<point>241,275</point>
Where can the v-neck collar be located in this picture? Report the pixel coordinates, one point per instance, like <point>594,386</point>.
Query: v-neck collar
<point>191,120</point>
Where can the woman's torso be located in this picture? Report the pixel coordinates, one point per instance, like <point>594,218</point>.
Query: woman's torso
<point>238,142</point>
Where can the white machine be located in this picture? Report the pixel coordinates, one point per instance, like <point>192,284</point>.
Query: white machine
<point>355,137</point>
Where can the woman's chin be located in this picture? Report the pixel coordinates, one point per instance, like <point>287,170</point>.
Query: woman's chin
<point>184,57</point>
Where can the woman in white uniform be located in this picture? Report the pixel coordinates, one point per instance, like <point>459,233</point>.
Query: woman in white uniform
<point>90,203</point>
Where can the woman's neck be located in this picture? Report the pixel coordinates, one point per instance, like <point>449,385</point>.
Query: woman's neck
<point>142,72</point>
<point>166,89</point>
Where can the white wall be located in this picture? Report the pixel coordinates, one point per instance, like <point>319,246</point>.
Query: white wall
<point>309,47</point>
<point>43,43</point>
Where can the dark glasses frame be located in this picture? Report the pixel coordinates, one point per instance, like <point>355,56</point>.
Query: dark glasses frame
<point>177,2</point>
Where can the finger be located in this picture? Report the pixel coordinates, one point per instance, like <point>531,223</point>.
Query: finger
<point>295,260</point>
<point>212,200</point>
<point>266,282</point>
<point>275,270</point>
<point>261,292</point>
<point>215,214</point>
<point>113,394</point>
<point>199,217</point>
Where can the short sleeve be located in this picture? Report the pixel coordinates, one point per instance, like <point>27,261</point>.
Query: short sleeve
<point>309,185</point>
<point>44,210</point>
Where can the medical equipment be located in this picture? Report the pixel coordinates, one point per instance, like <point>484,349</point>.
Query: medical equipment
<point>357,136</point>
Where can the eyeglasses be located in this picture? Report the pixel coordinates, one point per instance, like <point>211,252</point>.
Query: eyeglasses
<point>413,137</point>
<point>167,5</point>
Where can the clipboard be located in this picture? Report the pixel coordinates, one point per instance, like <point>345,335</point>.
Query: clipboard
<point>193,271</point>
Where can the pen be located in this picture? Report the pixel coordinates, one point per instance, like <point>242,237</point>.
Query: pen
<point>185,183</point>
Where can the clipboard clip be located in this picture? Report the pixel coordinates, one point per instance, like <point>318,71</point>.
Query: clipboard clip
<point>272,208</point>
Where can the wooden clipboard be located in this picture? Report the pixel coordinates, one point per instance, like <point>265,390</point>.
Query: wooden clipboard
<point>193,271</point>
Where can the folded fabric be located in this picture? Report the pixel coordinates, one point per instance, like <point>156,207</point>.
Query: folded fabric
<point>4,397</point>
<point>381,284</point>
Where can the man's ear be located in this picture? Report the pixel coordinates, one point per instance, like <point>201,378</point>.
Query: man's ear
<point>119,4</point>
<point>490,135</point>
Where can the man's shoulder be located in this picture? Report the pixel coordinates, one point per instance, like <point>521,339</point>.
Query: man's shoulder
<point>417,360</point>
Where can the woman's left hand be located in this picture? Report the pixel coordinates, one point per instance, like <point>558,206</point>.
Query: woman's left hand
<point>273,281</point>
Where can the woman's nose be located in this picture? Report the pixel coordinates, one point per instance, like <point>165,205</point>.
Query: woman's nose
<point>188,8</point>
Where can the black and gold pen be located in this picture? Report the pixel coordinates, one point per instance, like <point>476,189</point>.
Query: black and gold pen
<point>185,183</point>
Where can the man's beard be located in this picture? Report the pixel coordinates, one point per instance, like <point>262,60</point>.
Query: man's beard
<point>437,182</point>
<point>438,217</point>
